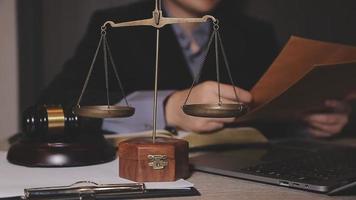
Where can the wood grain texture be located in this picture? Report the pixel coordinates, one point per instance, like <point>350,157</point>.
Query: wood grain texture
<point>134,162</point>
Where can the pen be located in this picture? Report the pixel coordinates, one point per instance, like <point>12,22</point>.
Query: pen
<point>84,190</point>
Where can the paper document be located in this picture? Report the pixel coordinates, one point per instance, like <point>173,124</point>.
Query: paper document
<point>14,179</point>
<point>303,76</point>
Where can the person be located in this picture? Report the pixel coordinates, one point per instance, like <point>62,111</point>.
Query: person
<point>250,45</point>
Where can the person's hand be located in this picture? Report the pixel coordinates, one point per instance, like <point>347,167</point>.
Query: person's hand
<point>203,93</point>
<point>323,125</point>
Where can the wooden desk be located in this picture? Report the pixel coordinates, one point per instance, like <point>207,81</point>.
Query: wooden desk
<point>216,187</point>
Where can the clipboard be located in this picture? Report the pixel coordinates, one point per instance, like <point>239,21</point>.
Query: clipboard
<point>88,190</point>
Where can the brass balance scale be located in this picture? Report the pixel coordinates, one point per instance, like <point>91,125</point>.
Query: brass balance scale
<point>217,110</point>
<point>155,158</point>
<point>137,169</point>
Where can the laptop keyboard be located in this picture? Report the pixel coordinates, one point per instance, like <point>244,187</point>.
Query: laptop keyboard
<point>309,167</point>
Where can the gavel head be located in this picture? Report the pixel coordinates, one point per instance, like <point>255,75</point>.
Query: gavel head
<point>48,120</point>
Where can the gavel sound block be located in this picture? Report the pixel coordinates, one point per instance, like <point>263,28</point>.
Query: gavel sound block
<point>52,137</point>
<point>141,160</point>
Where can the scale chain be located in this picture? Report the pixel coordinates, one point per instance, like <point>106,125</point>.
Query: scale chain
<point>196,79</point>
<point>218,41</point>
<point>115,72</point>
<point>227,65</point>
<point>216,27</point>
<point>90,71</point>
<point>106,73</point>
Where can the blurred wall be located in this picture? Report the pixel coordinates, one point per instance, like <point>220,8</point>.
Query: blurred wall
<point>65,22</point>
<point>8,69</point>
<point>328,20</point>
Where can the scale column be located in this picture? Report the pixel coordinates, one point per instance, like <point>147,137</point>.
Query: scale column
<point>157,17</point>
<point>154,133</point>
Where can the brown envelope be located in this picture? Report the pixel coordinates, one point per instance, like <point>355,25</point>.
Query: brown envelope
<point>303,76</point>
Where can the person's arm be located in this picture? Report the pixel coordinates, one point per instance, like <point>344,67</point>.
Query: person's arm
<point>142,120</point>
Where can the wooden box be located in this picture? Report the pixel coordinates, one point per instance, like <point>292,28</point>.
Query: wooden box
<point>141,160</point>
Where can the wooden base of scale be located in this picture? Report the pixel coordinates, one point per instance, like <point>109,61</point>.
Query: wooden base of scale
<point>141,160</point>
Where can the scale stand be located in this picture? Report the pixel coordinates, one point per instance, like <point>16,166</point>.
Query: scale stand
<point>154,159</point>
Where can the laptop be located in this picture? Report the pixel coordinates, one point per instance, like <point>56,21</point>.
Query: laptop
<point>306,165</point>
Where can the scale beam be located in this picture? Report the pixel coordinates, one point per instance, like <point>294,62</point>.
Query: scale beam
<point>158,20</point>
<point>162,21</point>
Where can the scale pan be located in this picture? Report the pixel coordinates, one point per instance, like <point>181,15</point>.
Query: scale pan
<point>216,110</point>
<point>103,111</point>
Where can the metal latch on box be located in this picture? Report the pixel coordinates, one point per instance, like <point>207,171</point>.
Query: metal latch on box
<point>157,161</point>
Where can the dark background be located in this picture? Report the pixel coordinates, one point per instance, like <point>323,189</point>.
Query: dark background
<point>49,30</point>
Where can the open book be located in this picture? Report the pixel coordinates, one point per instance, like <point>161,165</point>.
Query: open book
<point>303,76</point>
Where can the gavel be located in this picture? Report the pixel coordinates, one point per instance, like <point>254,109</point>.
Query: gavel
<point>48,120</point>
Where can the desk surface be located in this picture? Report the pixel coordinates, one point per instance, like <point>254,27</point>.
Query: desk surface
<point>220,187</point>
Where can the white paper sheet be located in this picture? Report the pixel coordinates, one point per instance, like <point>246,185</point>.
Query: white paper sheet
<point>14,179</point>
